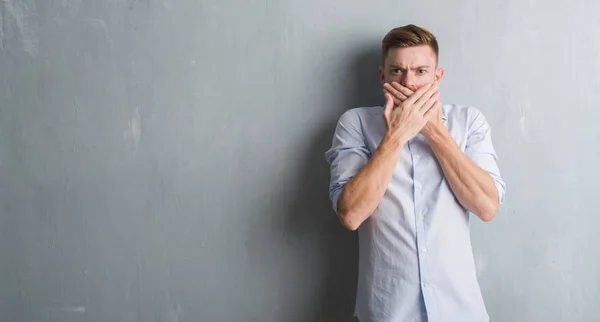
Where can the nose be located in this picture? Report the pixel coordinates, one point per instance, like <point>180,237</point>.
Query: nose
<point>408,81</point>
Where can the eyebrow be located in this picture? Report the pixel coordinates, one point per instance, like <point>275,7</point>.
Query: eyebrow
<point>416,68</point>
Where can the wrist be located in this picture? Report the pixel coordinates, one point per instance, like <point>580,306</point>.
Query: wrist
<point>392,142</point>
<point>436,133</point>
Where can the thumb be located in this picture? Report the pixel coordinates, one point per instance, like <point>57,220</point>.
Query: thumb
<point>389,104</point>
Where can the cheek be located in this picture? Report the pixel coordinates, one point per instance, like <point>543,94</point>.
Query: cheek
<point>425,80</point>
<point>421,84</point>
<point>393,78</point>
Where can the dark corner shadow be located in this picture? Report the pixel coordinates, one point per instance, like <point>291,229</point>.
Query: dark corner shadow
<point>311,212</point>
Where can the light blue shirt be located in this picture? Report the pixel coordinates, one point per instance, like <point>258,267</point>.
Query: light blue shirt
<point>415,257</point>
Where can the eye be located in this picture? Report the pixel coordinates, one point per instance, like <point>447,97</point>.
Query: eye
<point>422,71</point>
<point>396,71</point>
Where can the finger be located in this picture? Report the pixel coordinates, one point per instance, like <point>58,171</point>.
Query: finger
<point>417,95</point>
<point>425,96</point>
<point>431,113</point>
<point>389,105</point>
<point>430,105</point>
<point>402,89</point>
<point>438,105</point>
<point>397,101</point>
<point>395,93</point>
<point>430,102</point>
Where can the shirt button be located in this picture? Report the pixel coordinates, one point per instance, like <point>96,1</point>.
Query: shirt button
<point>417,157</point>
<point>419,187</point>
<point>423,250</point>
<point>425,285</point>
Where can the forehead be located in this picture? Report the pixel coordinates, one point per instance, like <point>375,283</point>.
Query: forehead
<point>411,56</point>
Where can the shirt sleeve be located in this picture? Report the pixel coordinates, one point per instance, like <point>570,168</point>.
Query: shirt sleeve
<point>347,155</point>
<point>479,148</point>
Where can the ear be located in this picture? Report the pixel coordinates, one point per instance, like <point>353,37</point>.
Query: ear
<point>439,73</point>
<point>381,75</point>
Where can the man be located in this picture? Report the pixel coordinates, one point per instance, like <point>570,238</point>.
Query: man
<point>408,176</point>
